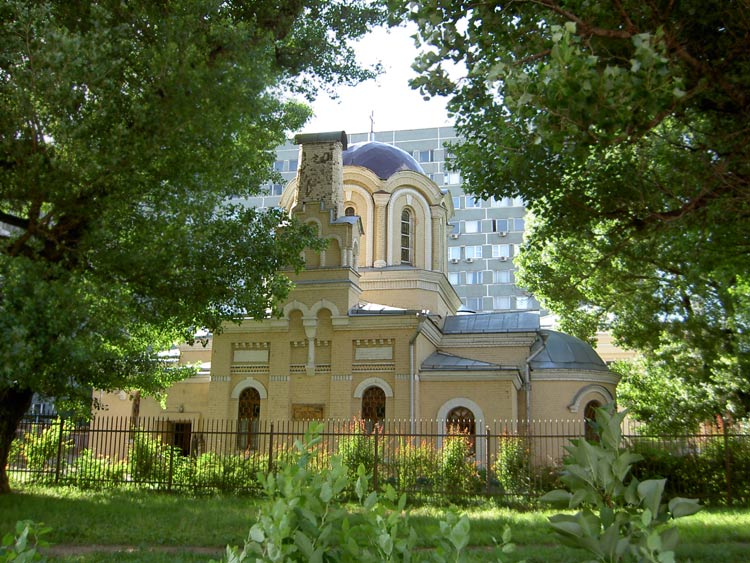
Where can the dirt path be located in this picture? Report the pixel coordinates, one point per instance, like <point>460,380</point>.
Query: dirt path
<point>62,550</point>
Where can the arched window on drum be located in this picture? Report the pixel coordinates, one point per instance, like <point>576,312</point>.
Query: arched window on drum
<point>407,236</point>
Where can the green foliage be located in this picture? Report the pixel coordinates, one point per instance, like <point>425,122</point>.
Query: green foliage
<point>357,448</point>
<point>660,399</point>
<point>89,471</point>
<point>306,521</point>
<point>40,447</point>
<point>127,131</point>
<point>709,467</point>
<point>417,467</point>
<point>23,546</point>
<point>621,518</point>
<point>149,458</point>
<point>512,467</point>
<point>626,131</point>
<point>458,470</point>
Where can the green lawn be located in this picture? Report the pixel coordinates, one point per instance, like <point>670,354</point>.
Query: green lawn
<point>150,523</point>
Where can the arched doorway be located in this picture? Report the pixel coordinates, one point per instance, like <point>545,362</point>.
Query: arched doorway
<point>248,413</point>
<point>373,407</point>
<point>589,421</point>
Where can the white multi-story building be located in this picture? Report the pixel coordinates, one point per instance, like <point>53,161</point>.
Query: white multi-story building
<point>485,235</point>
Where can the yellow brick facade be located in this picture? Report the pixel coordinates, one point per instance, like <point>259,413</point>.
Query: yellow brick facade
<point>373,323</point>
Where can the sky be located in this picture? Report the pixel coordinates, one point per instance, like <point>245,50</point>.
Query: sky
<point>389,98</point>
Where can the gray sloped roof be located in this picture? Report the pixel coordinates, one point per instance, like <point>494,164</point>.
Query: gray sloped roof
<point>492,322</point>
<point>442,361</point>
<point>562,351</point>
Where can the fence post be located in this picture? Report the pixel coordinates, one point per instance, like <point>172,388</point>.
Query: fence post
<point>171,468</point>
<point>59,450</point>
<point>270,450</point>
<point>727,461</point>
<point>487,468</point>
<point>375,463</point>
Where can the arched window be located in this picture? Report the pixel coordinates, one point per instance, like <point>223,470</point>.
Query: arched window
<point>248,414</point>
<point>373,407</point>
<point>350,211</point>
<point>407,237</point>
<point>460,420</point>
<point>589,421</point>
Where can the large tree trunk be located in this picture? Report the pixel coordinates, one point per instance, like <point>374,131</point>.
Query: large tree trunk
<point>13,405</point>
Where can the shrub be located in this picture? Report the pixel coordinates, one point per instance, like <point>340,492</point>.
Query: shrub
<point>458,471</point>
<point>512,466</point>
<point>306,521</point>
<point>150,458</point>
<point>357,448</point>
<point>40,448</point>
<point>417,467</point>
<point>22,546</point>
<point>90,471</point>
<point>620,517</point>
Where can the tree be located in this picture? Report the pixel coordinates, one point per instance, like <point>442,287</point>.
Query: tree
<point>125,130</point>
<point>624,127</point>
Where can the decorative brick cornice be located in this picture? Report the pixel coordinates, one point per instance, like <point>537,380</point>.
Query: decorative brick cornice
<point>251,345</point>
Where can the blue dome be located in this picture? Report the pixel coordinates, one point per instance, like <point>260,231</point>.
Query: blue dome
<point>384,160</point>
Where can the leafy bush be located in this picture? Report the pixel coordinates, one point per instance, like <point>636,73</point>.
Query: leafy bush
<point>306,521</point>
<point>698,469</point>
<point>22,546</point>
<point>621,518</point>
<point>222,473</point>
<point>417,468</point>
<point>150,458</point>
<point>458,470</point>
<point>90,471</point>
<point>357,448</point>
<point>512,466</point>
<point>40,447</point>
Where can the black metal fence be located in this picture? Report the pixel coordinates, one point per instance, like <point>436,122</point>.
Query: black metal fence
<point>515,461</point>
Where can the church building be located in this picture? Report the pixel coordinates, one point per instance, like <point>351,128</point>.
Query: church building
<point>373,329</point>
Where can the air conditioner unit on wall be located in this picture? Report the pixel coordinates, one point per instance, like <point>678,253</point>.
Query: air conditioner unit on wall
<point>503,259</point>
<point>454,235</point>
<point>469,260</point>
<point>454,260</point>
<point>502,233</point>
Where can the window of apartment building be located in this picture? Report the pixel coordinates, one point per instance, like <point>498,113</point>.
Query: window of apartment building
<point>293,165</point>
<point>473,278</point>
<point>454,253</point>
<point>501,302</point>
<point>522,303</point>
<point>473,252</point>
<point>453,178</point>
<point>424,156</point>
<point>500,226</point>
<point>278,166</point>
<point>501,250</point>
<point>518,224</point>
<point>504,276</point>
<point>275,189</point>
<point>474,303</point>
<point>472,202</point>
<point>456,202</point>
<point>454,278</point>
<point>501,201</point>
<point>407,237</point>
<point>472,227</point>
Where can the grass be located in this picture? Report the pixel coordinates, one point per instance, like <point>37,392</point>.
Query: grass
<point>161,527</point>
